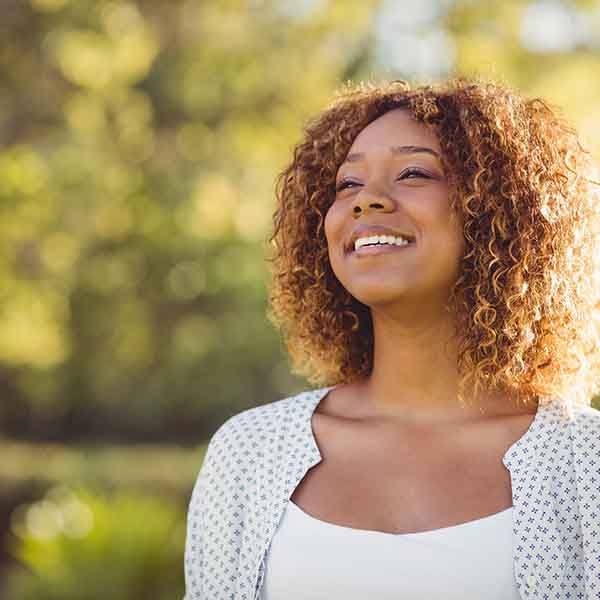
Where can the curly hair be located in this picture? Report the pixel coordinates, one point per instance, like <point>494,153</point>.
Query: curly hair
<point>526,302</point>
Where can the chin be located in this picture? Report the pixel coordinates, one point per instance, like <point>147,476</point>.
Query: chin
<point>382,295</point>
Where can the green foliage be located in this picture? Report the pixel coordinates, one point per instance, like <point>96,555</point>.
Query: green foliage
<point>77,544</point>
<point>139,143</point>
<point>145,467</point>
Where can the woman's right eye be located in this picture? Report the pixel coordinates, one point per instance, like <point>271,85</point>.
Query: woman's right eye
<point>344,184</point>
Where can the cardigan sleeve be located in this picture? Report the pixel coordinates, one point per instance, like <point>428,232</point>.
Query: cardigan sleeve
<point>196,540</point>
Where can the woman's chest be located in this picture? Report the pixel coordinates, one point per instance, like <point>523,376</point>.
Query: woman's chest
<point>375,480</point>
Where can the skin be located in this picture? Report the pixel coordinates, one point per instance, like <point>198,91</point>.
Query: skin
<point>406,290</point>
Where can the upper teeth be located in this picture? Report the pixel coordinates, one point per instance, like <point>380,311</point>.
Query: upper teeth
<point>380,239</point>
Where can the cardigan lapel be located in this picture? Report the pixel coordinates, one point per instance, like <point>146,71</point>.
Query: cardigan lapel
<point>291,452</point>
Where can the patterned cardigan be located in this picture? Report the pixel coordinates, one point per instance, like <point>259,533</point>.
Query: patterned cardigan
<point>256,458</point>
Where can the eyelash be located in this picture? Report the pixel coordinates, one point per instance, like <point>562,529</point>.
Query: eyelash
<point>344,183</point>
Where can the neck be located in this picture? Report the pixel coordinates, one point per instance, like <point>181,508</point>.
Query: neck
<point>415,376</point>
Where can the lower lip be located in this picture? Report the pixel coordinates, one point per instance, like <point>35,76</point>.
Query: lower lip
<point>383,249</point>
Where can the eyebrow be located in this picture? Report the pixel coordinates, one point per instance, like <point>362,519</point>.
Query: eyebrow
<point>358,156</point>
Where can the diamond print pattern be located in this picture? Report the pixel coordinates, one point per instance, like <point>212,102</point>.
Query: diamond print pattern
<point>256,459</point>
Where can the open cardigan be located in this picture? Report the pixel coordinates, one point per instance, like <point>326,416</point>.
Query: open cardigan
<point>256,458</point>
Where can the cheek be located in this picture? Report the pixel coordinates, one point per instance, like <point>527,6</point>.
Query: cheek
<point>458,235</point>
<point>334,234</point>
<point>332,224</point>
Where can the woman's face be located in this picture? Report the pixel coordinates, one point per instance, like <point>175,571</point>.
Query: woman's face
<point>392,178</point>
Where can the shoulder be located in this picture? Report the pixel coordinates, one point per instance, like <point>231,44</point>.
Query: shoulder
<point>580,434</point>
<point>571,423</point>
<point>585,419</point>
<point>253,439</point>
<point>251,428</point>
<point>252,420</point>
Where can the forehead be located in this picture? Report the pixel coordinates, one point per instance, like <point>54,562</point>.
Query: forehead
<point>396,127</point>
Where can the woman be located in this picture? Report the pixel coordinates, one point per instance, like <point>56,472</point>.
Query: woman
<point>436,268</point>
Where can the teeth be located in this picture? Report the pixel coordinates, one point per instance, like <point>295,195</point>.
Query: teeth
<point>380,239</point>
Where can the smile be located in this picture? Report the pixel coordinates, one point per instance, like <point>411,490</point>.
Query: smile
<point>376,249</point>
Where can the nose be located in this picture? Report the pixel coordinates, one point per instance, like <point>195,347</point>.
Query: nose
<point>367,201</point>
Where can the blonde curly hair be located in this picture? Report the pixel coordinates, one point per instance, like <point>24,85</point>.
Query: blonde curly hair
<point>527,299</point>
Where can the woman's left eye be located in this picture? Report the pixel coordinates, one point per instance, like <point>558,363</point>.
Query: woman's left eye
<point>404,175</point>
<point>417,172</point>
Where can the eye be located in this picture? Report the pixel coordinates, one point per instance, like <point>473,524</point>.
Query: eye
<point>404,175</point>
<point>417,172</point>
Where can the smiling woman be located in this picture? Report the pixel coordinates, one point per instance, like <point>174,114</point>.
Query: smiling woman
<point>436,269</point>
<point>497,181</point>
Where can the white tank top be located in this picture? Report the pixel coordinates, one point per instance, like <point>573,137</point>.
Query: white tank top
<point>310,559</point>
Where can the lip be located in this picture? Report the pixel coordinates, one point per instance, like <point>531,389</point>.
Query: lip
<point>366,251</point>
<point>364,230</point>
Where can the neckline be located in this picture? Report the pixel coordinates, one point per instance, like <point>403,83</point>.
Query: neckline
<point>512,458</point>
<point>439,530</point>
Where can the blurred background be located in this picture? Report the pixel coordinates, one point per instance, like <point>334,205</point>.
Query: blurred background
<point>139,142</point>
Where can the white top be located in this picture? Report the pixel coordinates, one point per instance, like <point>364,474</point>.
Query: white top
<point>310,559</point>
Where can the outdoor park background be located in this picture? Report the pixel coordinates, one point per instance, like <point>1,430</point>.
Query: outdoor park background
<point>139,142</point>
